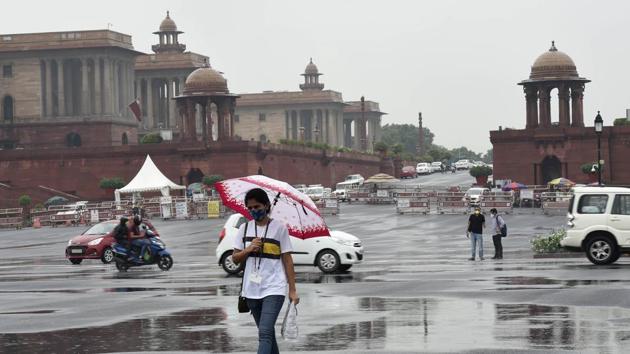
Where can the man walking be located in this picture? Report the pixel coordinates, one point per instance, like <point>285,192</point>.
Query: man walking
<point>496,223</point>
<point>476,224</point>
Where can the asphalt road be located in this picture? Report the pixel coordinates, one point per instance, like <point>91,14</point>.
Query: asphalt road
<point>415,292</point>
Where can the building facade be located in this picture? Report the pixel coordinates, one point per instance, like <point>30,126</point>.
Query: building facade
<point>552,147</point>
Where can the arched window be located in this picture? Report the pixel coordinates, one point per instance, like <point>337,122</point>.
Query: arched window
<point>263,138</point>
<point>73,140</point>
<point>7,108</point>
<point>125,139</point>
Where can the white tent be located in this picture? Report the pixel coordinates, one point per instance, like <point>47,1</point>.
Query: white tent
<point>148,179</point>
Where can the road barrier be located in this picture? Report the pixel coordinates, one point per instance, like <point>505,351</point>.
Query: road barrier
<point>11,218</point>
<point>452,203</point>
<point>413,203</point>
<point>555,203</point>
<point>502,201</point>
<point>382,196</point>
<point>328,206</point>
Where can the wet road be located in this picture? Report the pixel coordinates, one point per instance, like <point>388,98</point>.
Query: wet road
<point>415,292</point>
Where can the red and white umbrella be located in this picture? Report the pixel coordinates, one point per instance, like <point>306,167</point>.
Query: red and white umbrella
<point>288,205</point>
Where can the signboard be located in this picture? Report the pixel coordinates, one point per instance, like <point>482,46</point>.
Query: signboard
<point>214,209</point>
<point>331,203</point>
<point>166,211</point>
<point>382,194</point>
<point>94,217</point>
<point>403,203</point>
<point>181,210</point>
<point>527,194</point>
<point>166,200</point>
<point>196,197</point>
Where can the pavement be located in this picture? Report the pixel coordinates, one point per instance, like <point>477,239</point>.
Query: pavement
<point>415,292</point>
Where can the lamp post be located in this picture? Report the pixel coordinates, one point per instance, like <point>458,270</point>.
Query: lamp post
<point>599,126</point>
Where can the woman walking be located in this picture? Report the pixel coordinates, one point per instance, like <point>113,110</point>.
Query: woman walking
<point>265,247</point>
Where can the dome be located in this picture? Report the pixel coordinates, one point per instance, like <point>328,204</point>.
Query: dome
<point>553,64</point>
<point>205,81</point>
<point>168,25</point>
<point>311,69</point>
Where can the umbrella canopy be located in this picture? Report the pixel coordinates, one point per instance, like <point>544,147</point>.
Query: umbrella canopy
<point>289,206</point>
<point>514,186</point>
<point>196,187</point>
<point>561,182</point>
<point>381,178</point>
<point>56,200</point>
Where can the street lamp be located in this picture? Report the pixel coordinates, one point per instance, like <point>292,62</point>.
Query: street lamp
<point>599,126</point>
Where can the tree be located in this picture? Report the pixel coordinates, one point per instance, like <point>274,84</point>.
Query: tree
<point>152,138</point>
<point>489,156</point>
<point>480,171</point>
<point>397,149</point>
<point>24,200</point>
<point>211,180</point>
<point>407,136</point>
<point>111,183</point>
<point>381,147</point>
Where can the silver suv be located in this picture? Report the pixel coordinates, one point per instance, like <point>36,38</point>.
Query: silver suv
<point>599,223</point>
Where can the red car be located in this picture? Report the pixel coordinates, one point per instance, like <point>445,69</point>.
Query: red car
<point>94,243</point>
<point>408,172</point>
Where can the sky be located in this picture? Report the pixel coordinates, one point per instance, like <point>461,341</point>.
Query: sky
<point>457,62</point>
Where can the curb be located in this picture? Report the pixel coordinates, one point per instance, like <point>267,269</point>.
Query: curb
<point>559,255</point>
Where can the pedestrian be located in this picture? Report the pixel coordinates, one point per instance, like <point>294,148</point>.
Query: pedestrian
<point>476,224</point>
<point>265,247</point>
<point>496,222</point>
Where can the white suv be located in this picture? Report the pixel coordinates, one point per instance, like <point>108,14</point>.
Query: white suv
<point>599,223</point>
<point>337,252</point>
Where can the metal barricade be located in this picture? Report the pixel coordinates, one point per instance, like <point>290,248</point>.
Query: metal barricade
<point>413,203</point>
<point>328,206</point>
<point>360,195</point>
<point>555,203</point>
<point>11,218</point>
<point>382,196</point>
<point>452,203</point>
<point>502,201</point>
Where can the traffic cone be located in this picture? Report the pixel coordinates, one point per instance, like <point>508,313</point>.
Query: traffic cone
<point>37,224</point>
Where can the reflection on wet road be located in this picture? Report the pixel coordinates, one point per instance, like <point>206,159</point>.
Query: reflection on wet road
<point>415,292</point>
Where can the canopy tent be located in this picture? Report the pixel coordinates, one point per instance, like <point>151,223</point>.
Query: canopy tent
<point>381,178</point>
<point>148,179</point>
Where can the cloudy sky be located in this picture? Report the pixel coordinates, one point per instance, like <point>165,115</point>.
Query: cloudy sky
<point>457,62</point>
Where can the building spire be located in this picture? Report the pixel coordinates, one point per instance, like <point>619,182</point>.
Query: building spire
<point>553,47</point>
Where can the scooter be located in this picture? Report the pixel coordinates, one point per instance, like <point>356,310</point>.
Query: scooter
<point>125,258</point>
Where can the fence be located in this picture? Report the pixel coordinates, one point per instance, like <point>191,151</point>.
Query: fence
<point>328,206</point>
<point>555,203</point>
<point>502,201</point>
<point>413,203</point>
<point>11,218</point>
<point>452,203</point>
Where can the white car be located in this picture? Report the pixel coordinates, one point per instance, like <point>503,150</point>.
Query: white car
<point>599,223</point>
<point>423,168</point>
<point>464,164</point>
<point>355,178</point>
<point>337,252</point>
<point>436,166</point>
<point>474,196</point>
<point>315,192</point>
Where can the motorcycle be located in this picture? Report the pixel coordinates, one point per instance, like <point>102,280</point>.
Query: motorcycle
<point>126,258</point>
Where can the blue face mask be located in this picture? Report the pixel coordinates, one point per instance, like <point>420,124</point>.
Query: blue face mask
<point>258,214</point>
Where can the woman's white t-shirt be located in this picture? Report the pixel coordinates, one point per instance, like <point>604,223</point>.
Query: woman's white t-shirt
<point>269,266</point>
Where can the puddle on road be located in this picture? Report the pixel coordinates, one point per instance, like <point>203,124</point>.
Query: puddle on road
<point>35,312</point>
<point>164,333</point>
<point>344,277</point>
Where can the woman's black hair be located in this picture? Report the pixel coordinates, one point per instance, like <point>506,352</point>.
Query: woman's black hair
<point>258,195</point>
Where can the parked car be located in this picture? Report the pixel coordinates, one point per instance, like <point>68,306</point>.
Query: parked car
<point>474,196</point>
<point>463,164</point>
<point>423,168</point>
<point>408,172</point>
<point>315,192</point>
<point>356,177</point>
<point>300,187</point>
<point>337,252</point>
<point>599,223</point>
<point>436,166</point>
<point>343,188</point>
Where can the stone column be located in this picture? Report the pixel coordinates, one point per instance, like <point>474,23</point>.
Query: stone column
<point>204,122</point>
<point>61,97</point>
<point>85,89</point>
<point>97,86</point>
<point>150,118</point>
<point>209,128</point>
<point>49,88</point>
<point>231,108</point>
<point>544,107</point>
<point>115,89</point>
<point>531,98</point>
<point>171,103</point>
<point>577,96</point>
<point>348,133</point>
<point>107,86</point>
<point>563,106</point>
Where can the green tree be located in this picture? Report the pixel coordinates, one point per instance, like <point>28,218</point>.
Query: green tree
<point>489,156</point>
<point>24,200</point>
<point>407,136</point>
<point>211,180</point>
<point>152,138</point>
<point>111,183</point>
<point>381,147</point>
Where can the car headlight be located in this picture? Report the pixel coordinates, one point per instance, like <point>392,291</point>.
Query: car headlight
<point>95,241</point>
<point>343,242</point>
<point>69,242</point>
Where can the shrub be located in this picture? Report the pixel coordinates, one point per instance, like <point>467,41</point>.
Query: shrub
<point>478,171</point>
<point>587,168</point>
<point>548,243</point>
<point>397,149</point>
<point>152,138</point>
<point>211,180</point>
<point>344,149</point>
<point>24,200</point>
<point>621,121</point>
<point>381,147</point>
<point>112,183</point>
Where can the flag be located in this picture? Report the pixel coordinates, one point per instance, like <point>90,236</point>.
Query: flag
<point>135,109</point>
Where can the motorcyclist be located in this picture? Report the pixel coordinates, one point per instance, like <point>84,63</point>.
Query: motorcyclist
<point>137,237</point>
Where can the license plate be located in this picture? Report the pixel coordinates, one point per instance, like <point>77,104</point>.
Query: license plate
<point>76,250</point>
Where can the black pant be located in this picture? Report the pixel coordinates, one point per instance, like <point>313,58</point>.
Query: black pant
<point>498,247</point>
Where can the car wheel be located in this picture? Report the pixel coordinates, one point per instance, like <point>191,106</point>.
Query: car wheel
<point>122,266</point>
<point>165,262</point>
<point>76,260</point>
<point>228,264</point>
<point>602,250</point>
<point>328,261</point>
<point>345,267</point>
<point>108,255</point>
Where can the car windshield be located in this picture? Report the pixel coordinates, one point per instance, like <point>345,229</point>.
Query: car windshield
<point>315,190</point>
<point>100,229</point>
<point>475,192</point>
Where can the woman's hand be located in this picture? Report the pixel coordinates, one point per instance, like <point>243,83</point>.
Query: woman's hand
<point>293,296</point>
